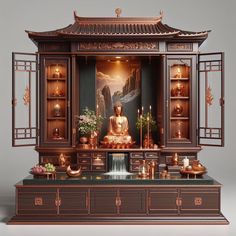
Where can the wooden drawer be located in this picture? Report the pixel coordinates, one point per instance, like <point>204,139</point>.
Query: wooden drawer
<point>100,162</point>
<point>99,155</point>
<point>136,155</point>
<point>84,154</point>
<point>98,168</point>
<point>151,155</point>
<point>40,201</point>
<point>134,168</point>
<point>135,161</point>
<point>85,167</point>
<point>84,160</point>
<point>200,201</point>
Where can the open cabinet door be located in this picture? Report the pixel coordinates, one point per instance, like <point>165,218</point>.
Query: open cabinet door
<point>211,99</point>
<point>24,99</point>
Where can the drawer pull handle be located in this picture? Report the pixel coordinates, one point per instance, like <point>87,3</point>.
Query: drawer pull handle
<point>197,201</point>
<point>58,202</point>
<point>178,202</point>
<point>38,201</point>
<point>118,201</point>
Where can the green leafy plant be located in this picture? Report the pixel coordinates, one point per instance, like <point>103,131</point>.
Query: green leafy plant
<point>152,122</point>
<point>88,122</point>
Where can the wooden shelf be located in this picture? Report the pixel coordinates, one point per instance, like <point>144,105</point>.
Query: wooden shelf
<point>55,79</point>
<point>56,118</point>
<point>179,118</point>
<point>181,79</point>
<point>180,98</point>
<point>56,98</point>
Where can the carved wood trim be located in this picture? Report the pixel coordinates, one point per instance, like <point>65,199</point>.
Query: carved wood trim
<point>118,46</point>
<point>179,47</point>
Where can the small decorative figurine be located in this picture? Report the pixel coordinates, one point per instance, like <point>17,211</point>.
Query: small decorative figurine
<point>57,73</point>
<point>57,92</point>
<point>178,133</point>
<point>175,159</point>
<point>178,91</point>
<point>143,169</point>
<point>148,142</point>
<point>57,110</point>
<point>62,160</point>
<point>56,133</point>
<point>178,110</point>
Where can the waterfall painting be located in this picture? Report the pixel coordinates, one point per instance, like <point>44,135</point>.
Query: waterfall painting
<point>117,81</point>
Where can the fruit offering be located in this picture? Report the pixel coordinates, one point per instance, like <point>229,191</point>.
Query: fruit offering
<point>38,169</point>
<point>50,167</point>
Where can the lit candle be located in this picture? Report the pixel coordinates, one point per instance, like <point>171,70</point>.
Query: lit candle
<point>57,110</point>
<point>148,130</point>
<point>150,110</point>
<point>178,72</point>
<point>142,110</point>
<point>97,111</point>
<point>141,131</point>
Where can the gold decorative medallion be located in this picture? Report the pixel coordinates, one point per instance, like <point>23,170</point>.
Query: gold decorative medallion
<point>38,201</point>
<point>26,96</point>
<point>209,96</point>
<point>197,201</point>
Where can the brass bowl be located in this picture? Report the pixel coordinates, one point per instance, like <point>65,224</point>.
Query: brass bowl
<point>199,167</point>
<point>73,173</point>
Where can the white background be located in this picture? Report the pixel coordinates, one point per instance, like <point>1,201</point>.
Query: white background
<point>17,16</point>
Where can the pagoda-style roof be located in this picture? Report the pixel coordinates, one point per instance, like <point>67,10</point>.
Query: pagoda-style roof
<point>119,27</point>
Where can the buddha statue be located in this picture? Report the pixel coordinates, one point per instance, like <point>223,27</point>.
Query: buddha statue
<point>118,129</point>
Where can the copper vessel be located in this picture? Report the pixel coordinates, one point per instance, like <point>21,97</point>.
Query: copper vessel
<point>152,167</point>
<point>175,159</point>
<point>73,173</point>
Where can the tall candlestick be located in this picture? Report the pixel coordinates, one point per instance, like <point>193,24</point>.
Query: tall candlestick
<point>97,131</point>
<point>148,130</point>
<point>97,111</point>
<point>141,132</point>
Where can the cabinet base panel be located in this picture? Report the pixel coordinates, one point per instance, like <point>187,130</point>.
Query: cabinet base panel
<point>68,220</point>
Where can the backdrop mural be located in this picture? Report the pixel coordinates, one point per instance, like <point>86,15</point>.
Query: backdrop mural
<point>118,81</point>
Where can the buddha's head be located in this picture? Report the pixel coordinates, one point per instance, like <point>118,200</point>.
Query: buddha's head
<point>118,109</point>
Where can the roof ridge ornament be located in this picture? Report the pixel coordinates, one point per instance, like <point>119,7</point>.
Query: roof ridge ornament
<point>118,12</point>
<point>161,14</point>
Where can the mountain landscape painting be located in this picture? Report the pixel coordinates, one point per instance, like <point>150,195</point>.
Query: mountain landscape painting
<point>117,81</point>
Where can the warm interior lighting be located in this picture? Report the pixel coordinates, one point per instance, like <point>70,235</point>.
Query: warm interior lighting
<point>118,57</point>
<point>57,71</point>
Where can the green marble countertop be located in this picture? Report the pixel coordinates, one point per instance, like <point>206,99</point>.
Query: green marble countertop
<point>99,178</point>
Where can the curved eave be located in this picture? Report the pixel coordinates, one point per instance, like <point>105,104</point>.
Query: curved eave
<point>117,35</point>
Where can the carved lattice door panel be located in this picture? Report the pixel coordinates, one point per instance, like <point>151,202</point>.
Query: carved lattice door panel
<point>211,99</point>
<point>24,99</point>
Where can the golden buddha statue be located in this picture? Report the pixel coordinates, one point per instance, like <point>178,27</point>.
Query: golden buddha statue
<point>118,135</point>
